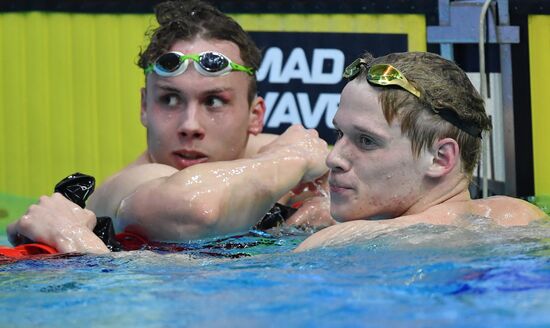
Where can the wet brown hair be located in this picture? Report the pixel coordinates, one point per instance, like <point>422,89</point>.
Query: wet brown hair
<point>186,20</point>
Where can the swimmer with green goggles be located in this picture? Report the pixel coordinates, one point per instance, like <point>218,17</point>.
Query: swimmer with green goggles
<point>208,63</point>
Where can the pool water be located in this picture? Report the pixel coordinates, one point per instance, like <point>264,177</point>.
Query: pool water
<point>422,276</point>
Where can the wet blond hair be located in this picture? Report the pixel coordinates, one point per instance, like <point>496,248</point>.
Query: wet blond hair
<point>442,85</point>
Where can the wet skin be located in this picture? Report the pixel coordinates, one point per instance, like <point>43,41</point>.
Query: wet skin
<point>192,119</point>
<point>373,173</point>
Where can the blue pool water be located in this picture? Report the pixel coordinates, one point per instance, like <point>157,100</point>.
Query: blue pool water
<point>423,276</point>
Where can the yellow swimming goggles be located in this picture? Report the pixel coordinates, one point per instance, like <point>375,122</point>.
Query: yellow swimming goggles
<point>381,74</point>
<point>386,74</point>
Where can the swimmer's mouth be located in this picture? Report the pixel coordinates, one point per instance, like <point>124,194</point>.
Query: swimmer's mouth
<point>190,155</point>
<point>335,186</point>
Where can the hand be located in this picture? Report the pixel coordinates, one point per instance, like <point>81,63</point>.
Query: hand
<point>303,191</point>
<point>313,214</point>
<point>60,223</point>
<point>305,143</point>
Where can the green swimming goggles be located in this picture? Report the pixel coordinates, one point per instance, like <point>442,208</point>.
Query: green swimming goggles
<point>208,63</point>
<point>386,74</point>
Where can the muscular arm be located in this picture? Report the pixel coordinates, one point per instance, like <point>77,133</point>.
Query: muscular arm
<point>211,198</point>
<point>166,204</point>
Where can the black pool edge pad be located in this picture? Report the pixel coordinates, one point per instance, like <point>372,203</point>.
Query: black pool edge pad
<point>428,7</point>
<point>236,6</point>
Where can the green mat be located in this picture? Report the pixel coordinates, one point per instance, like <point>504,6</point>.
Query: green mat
<point>11,208</point>
<point>541,201</point>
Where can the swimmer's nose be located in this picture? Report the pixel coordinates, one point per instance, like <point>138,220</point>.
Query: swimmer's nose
<point>335,159</point>
<point>190,125</point>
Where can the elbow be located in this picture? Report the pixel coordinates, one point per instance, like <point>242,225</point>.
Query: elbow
<point>167,216</point>
<point>195,220</point>
<point>203,217</point>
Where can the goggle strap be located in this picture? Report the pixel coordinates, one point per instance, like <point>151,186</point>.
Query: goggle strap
<point>453,118</point>
<point>237,67</point>
<point>402,83</point>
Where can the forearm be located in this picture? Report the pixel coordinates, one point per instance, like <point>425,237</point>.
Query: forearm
<point>212,198</point>
<point>57,222</point>
<point>253,190</point>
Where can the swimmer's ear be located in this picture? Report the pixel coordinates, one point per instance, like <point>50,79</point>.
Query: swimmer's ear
<point>256,116</point>
<point>445,157</point>
<point>143,114</point>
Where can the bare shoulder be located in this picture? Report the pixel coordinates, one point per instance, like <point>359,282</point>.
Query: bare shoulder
<point>106,199</point>
<point>257,142</point>
<point>510,211</point>
<point>347,232</point>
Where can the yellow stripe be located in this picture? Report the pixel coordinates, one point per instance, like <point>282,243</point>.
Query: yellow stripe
<point>69,97</point>
<point>414,26</point>
<point>15,161</point>
<point>539,48</point>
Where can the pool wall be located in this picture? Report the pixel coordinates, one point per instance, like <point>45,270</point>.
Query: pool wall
<point>69,86</point>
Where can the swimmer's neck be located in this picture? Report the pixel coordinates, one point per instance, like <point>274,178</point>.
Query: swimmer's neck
<point>454,191</point>
<point>142,159</point>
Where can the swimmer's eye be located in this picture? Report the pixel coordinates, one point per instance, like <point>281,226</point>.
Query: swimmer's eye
<point>170,100</point>
<point>338,134</point>
<point>366,141</point>
<point>214,102</point>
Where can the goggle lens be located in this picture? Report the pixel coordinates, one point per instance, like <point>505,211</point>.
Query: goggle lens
<point>353,69</point>
<point>169,62</point>
<point>383,73</point>
<point>213,62</point>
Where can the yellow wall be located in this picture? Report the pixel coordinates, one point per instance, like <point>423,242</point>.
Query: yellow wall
<point>412,25</point>
<point>69,88</point>
<point>539,58</point>
<point>69,97</point>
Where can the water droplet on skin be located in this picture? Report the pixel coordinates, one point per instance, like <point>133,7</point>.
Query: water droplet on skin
<point>320,189</point>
